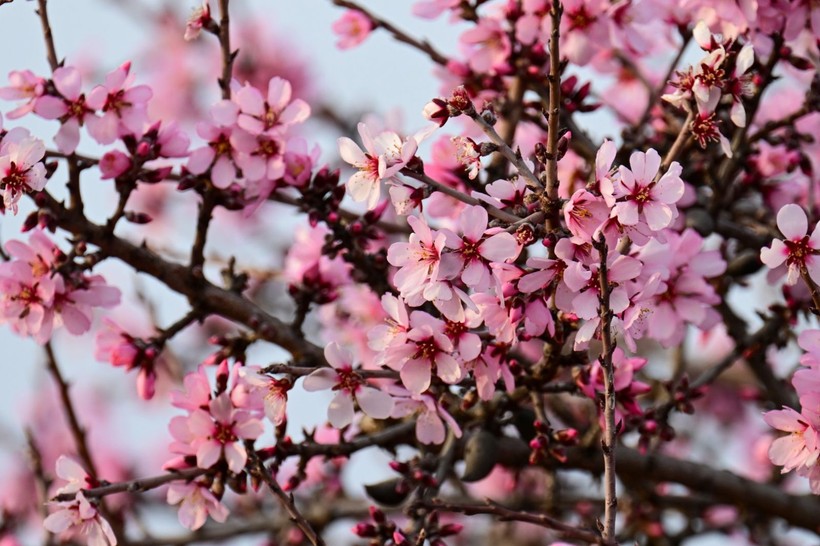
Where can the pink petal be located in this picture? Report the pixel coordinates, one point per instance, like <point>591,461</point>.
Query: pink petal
<point>501,247</point>
<point>236,456</point>
<point>447,368</point>
<point>415,375</point>
<point>774,256</point>
<point>792,221</point>
<point>208,454</point>
<point>320,380</point>
<point>374,402</point>
<point>340,411</point>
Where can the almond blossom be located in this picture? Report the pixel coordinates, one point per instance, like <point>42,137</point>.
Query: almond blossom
<point>273,112</point>
<point>216,432</point>
<point>478,248</point>
<point>352,28</point>
<point>69,107</point>
<point>80,517</point>
<point>637,197</point>
<point>124,106</point>
<point>196,503</point>
<point>21,167</point>
<point>274,392</point>
<point>382,158</point>
<point>349,386</point>
<point>432,420</point>
<point>798,251</point>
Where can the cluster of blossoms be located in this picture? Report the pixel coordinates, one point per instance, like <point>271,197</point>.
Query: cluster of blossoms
<point>498,302</point>
<point>42,290</point>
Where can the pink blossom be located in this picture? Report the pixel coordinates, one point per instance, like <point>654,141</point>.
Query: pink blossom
<point>801,447</point>
<point>80,517</point>
<point>69,470</point>
<point>224,143</point>
<point>349,386</point>
<point>383,157</point>
<point>798,250</point>
<point>116,346</point>
<point>352,28</point>
<point>217,431</point>
<point>430,9</point>
<point>274,112</point>
<point>468,155</point>
<point>584,213</point>
<point>486,46</point>
<point>21,167</point>
<point>274,392</point>
<point>426,350</point>
<point>200,17</point>
<point>69,107</point>
<point>478,248</point>
<point>196,503</point>
<point>432,419</point>
<point>24,85</point>
<point>637,197</point>
<point>124,106</point>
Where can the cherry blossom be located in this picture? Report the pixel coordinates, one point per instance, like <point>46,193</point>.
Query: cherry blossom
<point>123,106</point>
<point>276,111</point>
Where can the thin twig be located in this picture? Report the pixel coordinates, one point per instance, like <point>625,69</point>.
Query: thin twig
<point>513,157</point>
<point>77,431</point>
<point>258,469</point>
<point>398,34</point>
<point>608,440</point>
<point>461,196</point>
<point>51,51</point>
<point>506,514</point>
<point>554,111</point>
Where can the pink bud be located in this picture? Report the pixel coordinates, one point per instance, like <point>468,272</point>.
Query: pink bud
<point>113,164</point>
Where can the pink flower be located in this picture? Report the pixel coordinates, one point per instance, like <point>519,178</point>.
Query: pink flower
<point>118,347</point>
<point>636,195</point>
<point>348,386</point>
<point>196,503</point>
<point>217,431</point>
<point>468,154</point>
<point>69,107</point>
<point>431,418</point>
<point>74,474</point>
<point>21,167</point>
<point>384,156</point>
<point>200,17</point>
<point>24,85</point>
<point>584,213</point>
<point>801,447</point>
<point>478,248</point>
<point>80,517</point>
<point>274,392</point>
<point>224,142</point>
<point>798,250</point>
<point>276,112</point>
<point>124,107</point>
<point>426,350</point>
<point>486,46</point>
<point>352,28</point>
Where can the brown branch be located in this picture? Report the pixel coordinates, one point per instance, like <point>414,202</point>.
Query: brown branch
<point>502,513</point>
<point>399,35</point>
<point>51,51</point>
<point>554,111</point>
<point>257,468</point>
<point>760,498</point>
<point>228,56</point>
<point>511,156</point>
<point>139,485</point>
<point>677,146</point>
<point>608,440</point>
<point>179,278</point>
<point>77,430</point>
<point>461,196</point>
